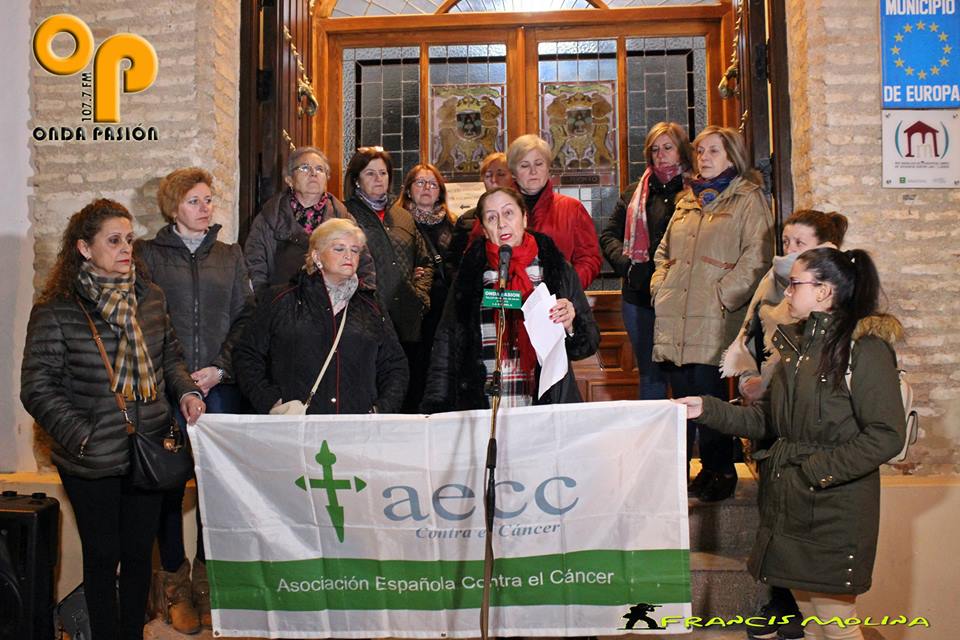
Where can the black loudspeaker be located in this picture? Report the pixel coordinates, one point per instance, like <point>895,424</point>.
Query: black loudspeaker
<point>29,539</point>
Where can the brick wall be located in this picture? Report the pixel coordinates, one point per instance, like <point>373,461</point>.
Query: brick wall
<point>193,105</point>
<point>914,236</point>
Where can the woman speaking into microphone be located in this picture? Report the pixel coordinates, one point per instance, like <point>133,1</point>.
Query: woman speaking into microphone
<point>464,350</point>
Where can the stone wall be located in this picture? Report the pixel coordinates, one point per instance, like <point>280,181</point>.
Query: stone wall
<point>914,236</point>
<point>193,106</point>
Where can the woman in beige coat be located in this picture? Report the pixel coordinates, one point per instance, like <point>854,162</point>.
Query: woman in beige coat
<point>718,245</point>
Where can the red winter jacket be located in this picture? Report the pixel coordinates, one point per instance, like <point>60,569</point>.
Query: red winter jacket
<point>570,227</point>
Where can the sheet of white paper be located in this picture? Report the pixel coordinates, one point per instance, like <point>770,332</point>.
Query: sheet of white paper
<point>546,336</point>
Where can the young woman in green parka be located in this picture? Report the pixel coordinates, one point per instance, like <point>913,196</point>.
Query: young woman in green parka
<point>820,495</point>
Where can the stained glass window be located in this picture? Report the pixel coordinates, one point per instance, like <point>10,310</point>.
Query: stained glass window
<point>381,104</point>
<point>666,81</point>
<point>467,107</point>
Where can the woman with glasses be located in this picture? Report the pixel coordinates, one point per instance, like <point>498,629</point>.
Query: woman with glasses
<point>835,411</point>
<point>280,233</point>
<point>718,245</point>
<point>753,358</point>
<point>424,196</point>
<point>209,300</point>
<point>66,388</point>
<point>404,263</point>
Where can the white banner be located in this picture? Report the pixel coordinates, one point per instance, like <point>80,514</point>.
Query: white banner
<point>372,525</point>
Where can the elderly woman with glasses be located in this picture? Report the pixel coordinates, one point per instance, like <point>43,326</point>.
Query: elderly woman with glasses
<point>279,235</point>
<point>424,196</point>
<point>403,261</point>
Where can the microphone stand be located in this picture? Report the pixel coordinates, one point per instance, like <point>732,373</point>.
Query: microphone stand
<point>489,497</point>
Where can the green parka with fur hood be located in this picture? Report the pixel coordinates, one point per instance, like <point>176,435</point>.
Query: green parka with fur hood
<point>820,480</point>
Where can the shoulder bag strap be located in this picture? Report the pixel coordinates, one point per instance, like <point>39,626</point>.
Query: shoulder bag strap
<point>326,363</point>
<point>121,403</point>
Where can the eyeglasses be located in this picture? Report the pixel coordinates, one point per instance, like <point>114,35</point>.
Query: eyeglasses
<point>426,184</point>
<point>315,169</point>
<point>793,284</point>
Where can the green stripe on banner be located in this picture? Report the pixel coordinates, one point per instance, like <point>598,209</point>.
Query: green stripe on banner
<point>606,578</point>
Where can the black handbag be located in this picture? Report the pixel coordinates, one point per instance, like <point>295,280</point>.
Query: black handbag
<point>156,464</point>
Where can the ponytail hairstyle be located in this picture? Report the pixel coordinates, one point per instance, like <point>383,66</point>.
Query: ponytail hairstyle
<point>856,295</point>
<point>829,227</point>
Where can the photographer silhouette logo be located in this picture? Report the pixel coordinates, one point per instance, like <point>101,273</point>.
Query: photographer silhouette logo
<point>109,76</point>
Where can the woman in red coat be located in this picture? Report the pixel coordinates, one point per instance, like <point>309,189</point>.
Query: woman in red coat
<point>561,217</point>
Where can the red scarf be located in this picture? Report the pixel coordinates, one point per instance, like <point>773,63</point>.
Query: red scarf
<point>517,279</point>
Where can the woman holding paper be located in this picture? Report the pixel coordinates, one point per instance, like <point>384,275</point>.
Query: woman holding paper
<point>463,357</point>
<point>323,344</point>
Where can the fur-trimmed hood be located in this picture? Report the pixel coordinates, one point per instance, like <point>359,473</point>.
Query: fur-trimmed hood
<point>882,325</point>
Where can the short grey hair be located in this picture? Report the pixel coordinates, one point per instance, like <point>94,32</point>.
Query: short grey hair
<point>523,145</point>
<point>324,235</point>
<point>297,154</point>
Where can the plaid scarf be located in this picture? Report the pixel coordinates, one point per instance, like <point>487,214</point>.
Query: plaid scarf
<point>308,217</point>
<point>133,374</point>
<point>518,383</point>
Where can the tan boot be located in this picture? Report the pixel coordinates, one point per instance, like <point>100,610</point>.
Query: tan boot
<point>201,593</point>
<point>177,602</point>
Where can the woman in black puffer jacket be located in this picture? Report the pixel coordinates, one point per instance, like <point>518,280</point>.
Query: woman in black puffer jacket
<point>65,387</point>
<point>210,300</point>
<point>283,350</point>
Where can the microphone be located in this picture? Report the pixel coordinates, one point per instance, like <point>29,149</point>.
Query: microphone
<point>503,269</point>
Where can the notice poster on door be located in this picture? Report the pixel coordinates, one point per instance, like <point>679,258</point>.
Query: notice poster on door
<point>920,149</point>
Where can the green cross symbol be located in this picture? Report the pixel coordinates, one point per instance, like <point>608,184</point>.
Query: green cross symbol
<point>326,459</point>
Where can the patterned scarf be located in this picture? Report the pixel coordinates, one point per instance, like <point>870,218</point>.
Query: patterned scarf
<point>636,238</point>
<point>375,204</point>
<point>518,384</point>
<point>308,217</point>
<point>422,216</point>
<point>133,374</point>
<point>707,189</point>
<point>340,294</point>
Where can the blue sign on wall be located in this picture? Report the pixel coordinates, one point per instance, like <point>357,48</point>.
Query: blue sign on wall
<point>920,54</point>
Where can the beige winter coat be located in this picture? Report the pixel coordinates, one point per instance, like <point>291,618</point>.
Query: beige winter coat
<point>707,267</point>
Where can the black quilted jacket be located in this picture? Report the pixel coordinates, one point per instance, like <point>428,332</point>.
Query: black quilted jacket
<point>65,386</point>
<point>283,349</point>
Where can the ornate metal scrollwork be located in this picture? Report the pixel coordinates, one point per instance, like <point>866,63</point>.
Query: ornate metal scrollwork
<point>729,86</point>
<point>306,97</point>
<point>288,139</point>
